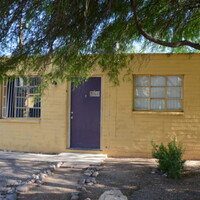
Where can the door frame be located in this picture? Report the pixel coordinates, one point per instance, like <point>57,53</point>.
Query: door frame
<point>69,115</point>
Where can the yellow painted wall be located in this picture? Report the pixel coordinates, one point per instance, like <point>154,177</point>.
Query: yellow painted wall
<point>129,133</point>
<point>124,132</point>
<point>46,135</point>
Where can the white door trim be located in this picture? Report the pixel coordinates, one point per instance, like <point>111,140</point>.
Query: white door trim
<point>69,114</point>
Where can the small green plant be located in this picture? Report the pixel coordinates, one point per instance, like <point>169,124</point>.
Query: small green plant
<point>169,158</point>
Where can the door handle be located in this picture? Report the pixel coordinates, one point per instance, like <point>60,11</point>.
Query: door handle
<point>71,116</point>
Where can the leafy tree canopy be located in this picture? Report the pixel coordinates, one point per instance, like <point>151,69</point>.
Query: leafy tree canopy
<point>36,34</point>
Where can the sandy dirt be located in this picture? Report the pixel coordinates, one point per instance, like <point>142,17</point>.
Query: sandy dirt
<point>57,187</point>
<point>132,176</point>
<point>18,170</point>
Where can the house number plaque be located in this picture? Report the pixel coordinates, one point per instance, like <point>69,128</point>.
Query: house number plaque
<point>94,93</point>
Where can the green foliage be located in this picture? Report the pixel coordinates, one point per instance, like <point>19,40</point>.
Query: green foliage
<point>63,39</point>
<point>169,158</point>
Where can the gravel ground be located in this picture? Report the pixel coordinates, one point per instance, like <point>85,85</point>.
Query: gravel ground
<point>59,186</point>
<point>134,178</point>
<point>16,170</point>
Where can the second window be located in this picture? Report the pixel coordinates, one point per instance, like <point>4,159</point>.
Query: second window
<point>158,92</point>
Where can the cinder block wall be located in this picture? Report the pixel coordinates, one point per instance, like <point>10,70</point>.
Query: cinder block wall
<point>129,133</point>
<point>124,132</point>
<point>47,135</point>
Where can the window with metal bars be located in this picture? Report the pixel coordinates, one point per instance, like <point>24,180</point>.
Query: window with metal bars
<point>21,98</point>
<point>161,93</point>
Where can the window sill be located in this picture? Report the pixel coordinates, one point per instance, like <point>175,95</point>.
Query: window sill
<point>32,121</point>
<point>176,113</point>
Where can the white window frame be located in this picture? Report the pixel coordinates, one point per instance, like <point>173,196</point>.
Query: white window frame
<point>30,99</point>
<point>151,98</point>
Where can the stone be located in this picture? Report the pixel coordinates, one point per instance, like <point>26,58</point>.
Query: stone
<point>38,181</point>
<point>164,174</point>
<point>49,172</point>
<point>4,192</point>
<point>94,169</point>
<point>113,195</point>
<point>43,175</point>
<point>11,196</point>
<point>31,181</point>
<point>95,174</point>
<point>87,199</point>
<point>93,180</point>
<point>23,188</point>
<point>82,181</point>
<point>74,197</point>
<point>81,188</point>
<point>10,191</point>
<point>59,164</point>
<point>75,193</point>
<point>36,176</point>
<point>90,180</point>
<point>96,164</point>
<point>87,173</point>
<point>52,167</point>
<point>90,183</point>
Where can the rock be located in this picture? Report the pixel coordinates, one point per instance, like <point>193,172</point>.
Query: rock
<point>38,181</point>
<point>82,181</point>
<point>52,167</point>
<point>43,175</point>
<point>3,192</point>
<point>58,165</point>
<point>96,164</point>
<point>10,191</point>
<point>87,173</point>
<point>23,188</point>
<point>94,169</point>
<point>95,174</point>
<point>88,180</point>
<point>93,180</point>
<point>164,174</point>
<point>75,193</point>
<point>87,199</point>
<point>113,195</point>
<point>31,181</point>
<point>11,196</point>
<point>74,197</point>
<point>36,176</point>
<point>90,183</point>
<point>81,188</point>
<point>49,172</point>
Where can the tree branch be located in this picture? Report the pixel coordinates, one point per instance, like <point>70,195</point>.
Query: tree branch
<point>155,40</point>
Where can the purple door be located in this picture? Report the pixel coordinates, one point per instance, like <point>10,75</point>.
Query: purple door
<point>85,114</point>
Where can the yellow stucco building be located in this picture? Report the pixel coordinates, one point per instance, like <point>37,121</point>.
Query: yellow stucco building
<point>160,102</point>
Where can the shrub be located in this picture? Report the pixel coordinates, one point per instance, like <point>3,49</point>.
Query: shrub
<point>169,158</point>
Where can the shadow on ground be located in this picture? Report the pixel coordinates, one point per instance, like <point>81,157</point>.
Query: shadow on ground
<point>15,170</point>
<point>59,186</point>
<point>134,178</point>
